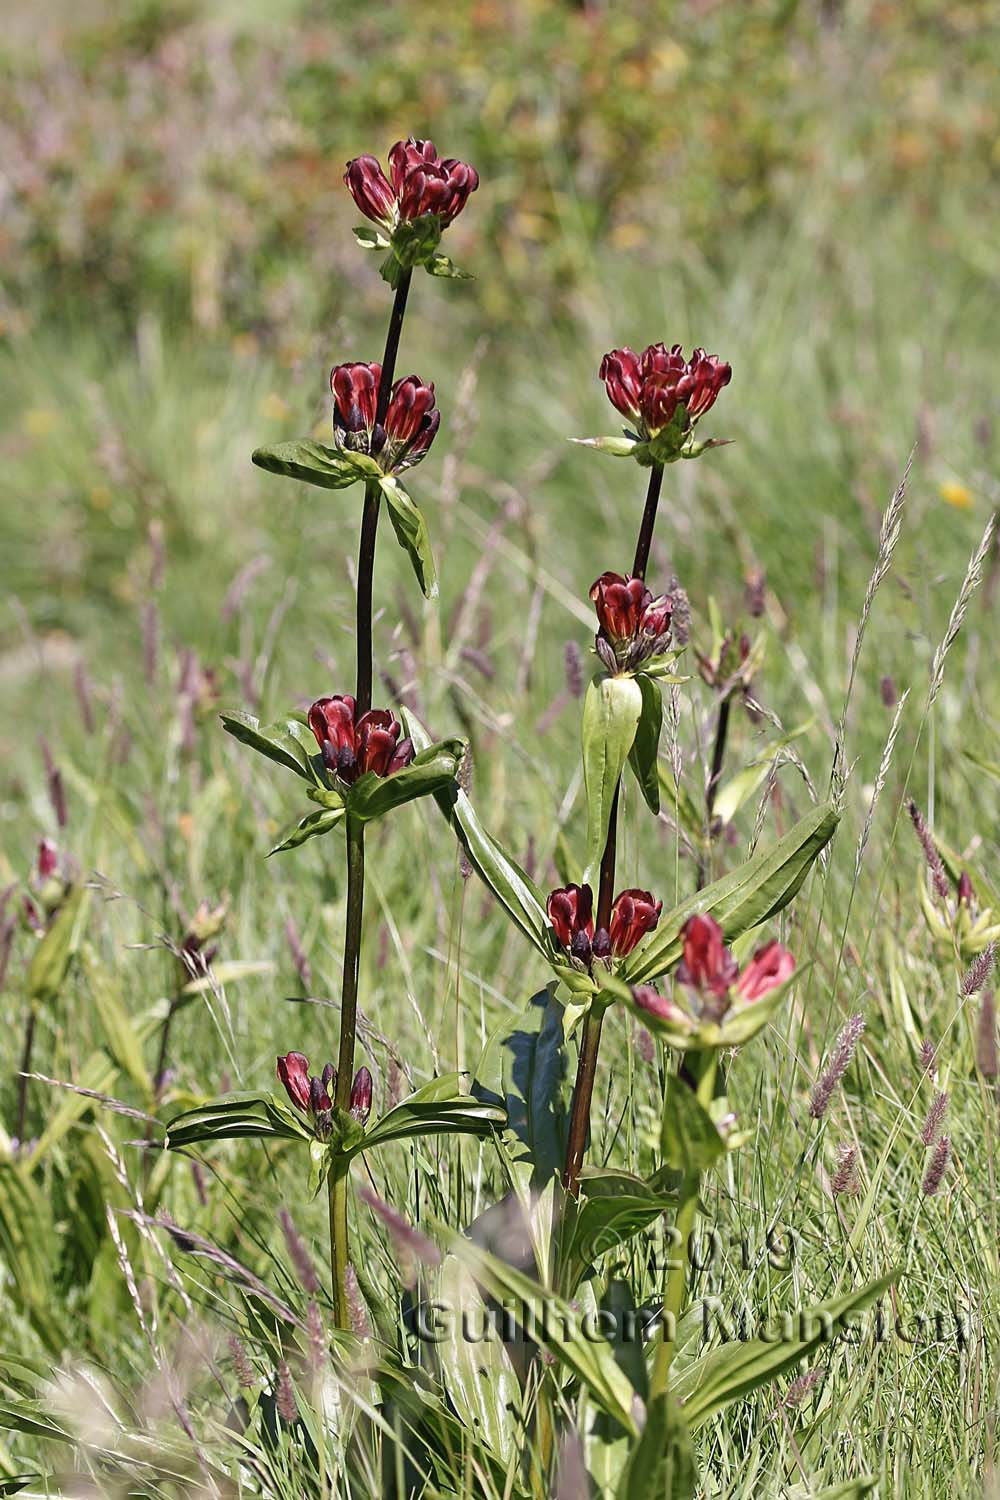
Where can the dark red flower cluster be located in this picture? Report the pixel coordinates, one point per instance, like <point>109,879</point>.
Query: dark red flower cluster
<point>353,745</point>
<point>634,624</point>
<point>647,388</point>
<point>709,968</point>
<point>411,418</point>
<point>314,1096</point>
<point>571,911</point>
<point>422,183</point>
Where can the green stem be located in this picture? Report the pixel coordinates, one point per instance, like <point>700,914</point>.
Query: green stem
<point>714,777</point>
<point>352,960</point>
<point>700,1066</point>
<point>22,1082</point>
<point>339,1244</point>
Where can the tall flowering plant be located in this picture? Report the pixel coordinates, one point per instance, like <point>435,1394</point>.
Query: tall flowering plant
<point>690,974</point>
<point>358,761</point>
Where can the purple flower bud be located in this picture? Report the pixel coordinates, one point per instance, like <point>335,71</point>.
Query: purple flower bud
<point>361,1095</point>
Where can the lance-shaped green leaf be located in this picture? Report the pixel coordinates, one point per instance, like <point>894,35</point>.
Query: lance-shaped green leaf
<point>662,1463</point>
<point>314,463</point>
<point>513,888</point>
<point>618,447</point>
<point>440,265</point>
<point>233,1117</point>
<point>477,1372</point>
<point>411,533</point>
<point>727,1374</point>
<point>430,770</point>
<point>613,1207</point>
<point>310,827</point>
<point>691,1142</point>
<point>54,954</point>
<point>459,1115</point>
<point>611,712</point>
<point>645,746</point>
<point>759,889</point>
<point>550,1321</point>
<point>535,1082</point>
<point>287,741</point>
<point>369,237</point>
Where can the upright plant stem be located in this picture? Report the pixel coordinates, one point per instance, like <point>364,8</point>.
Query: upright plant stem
<point>714,777</point>
<point>583,1090</point>
<point>22,1082</point>
<point>338,1180</point>
<point>648,521</point>
<point>701,1066</point>
<point>352,956</point>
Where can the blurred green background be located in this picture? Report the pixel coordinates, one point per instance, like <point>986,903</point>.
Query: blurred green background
<point>809,190</point>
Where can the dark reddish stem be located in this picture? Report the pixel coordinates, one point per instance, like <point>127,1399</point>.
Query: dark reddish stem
<point>583,1091</point>
<point>645,540</point>
<point>369,519</point>
<point>340,1249</point>
<point>22,1082</point>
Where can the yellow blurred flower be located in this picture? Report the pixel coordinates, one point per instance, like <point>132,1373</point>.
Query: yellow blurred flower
<point>274,407</point>
<point>39,421</point>
<point>953,493</point>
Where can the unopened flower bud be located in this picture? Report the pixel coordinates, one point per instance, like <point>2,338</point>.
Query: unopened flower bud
<point>571,912</point>
<point>48,859</point>
<point>361,1095</point>
<point>601,947</point>
<point>293,1072</point>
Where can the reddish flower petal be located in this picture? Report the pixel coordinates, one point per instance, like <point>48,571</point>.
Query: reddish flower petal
<point>571,911</point>
<point>293,1072</point>
<point>770,966</point>
<point>370,188</point>
<point>634,913</point>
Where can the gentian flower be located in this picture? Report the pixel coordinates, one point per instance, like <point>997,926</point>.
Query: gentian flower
<point>422,183</point>
<point>770,966</point>
<point>313,1096</point>
<point>361,1095</point>
<point>721,997</point>
<point>571,912</point>
<point>633,624</point>
<point>411,418</point>
<point>352,746</point>
<point>634,914</point>
<point>648,388</point>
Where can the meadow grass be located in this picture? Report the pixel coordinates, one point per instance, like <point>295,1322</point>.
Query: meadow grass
<point>853,341</point>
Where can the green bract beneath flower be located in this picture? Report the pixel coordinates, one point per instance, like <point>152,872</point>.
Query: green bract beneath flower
<point>374,789</point>
<point>425,194</point>
<point>663,395</point>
